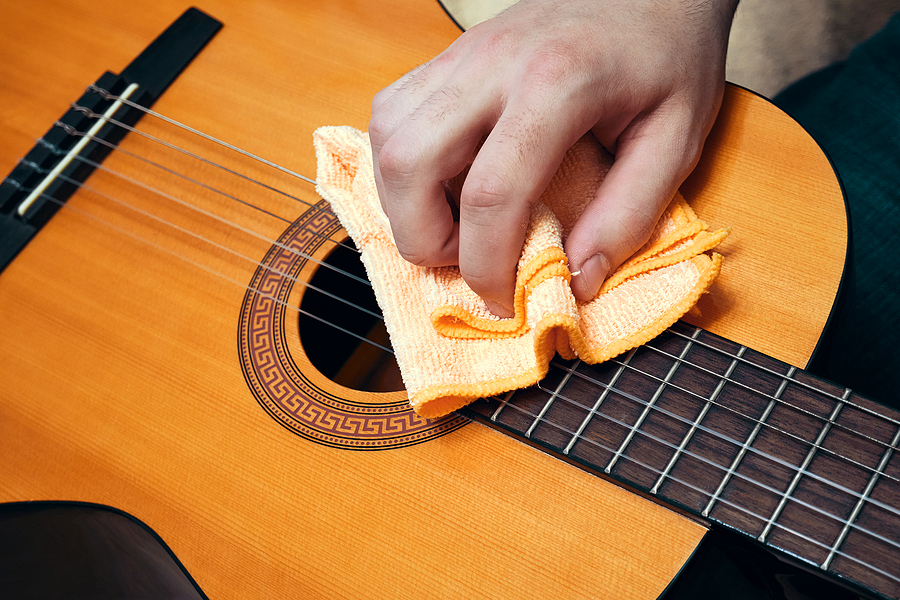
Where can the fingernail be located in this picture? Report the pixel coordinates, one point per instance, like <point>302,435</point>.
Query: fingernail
<point>590,277</point>
<point>498,309</point>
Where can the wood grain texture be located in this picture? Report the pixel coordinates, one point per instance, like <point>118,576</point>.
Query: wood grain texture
<point>121,377</point>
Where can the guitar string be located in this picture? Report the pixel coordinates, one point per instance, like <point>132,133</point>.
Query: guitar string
<point>199,237</point>
<point>203,267</point>
<point>213,243</point>
<point>883,445</point>
<point>684,420</point>
<point>106,95</point>
<point>700,459</point>
<point>217,141</point>
<point>740,509</point>
<point>110,96</point>
<point>205,160</point>
<point>188,205</point>
<point>74,132</point>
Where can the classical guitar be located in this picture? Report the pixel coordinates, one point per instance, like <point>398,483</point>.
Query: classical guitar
<point>186,340</point>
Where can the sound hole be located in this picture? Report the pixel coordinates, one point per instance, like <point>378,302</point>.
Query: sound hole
<point>350,359</point>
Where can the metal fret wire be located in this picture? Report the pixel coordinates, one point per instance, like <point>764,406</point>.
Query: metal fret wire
<point>803,384</point>
<point>757,392</point>
<point>721,436</point>
<point>802,468</point>
<point>648,408</point>
<point>740,509</point>
<point>870,485</point>
<point>599,402</point>
<point>750,439</point>
<point>690,434</point>
<point>549,402</point>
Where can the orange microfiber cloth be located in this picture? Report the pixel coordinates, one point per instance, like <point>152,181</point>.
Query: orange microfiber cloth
<point>450,348</point>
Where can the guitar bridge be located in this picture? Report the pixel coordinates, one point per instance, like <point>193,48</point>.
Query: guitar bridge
<point>79,141</point>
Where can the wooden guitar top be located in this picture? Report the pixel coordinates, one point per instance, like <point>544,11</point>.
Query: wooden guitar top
<point>122,377</point>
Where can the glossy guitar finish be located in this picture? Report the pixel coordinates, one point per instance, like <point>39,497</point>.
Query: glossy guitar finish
<point>122,379</point>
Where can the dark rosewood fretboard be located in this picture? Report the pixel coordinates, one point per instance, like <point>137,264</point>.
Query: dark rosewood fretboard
<point>734,437</point>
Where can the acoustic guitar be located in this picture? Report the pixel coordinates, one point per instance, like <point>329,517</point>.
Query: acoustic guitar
<point>187,339</point>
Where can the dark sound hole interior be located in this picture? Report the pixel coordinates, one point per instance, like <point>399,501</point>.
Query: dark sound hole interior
<point>350,359</point>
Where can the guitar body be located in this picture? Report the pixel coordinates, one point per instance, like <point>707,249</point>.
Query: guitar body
<point>125,381</point>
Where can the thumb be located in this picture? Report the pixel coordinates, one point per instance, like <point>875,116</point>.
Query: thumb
<point>647,170</point>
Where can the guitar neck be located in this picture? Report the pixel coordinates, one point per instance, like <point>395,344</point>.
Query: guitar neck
<point>733,437</point>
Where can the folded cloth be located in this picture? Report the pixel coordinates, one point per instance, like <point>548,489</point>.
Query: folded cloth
<point>450,348</point>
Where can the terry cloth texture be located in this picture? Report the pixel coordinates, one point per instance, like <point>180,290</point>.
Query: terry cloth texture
<point>451,350</point>
<point>852,109</point>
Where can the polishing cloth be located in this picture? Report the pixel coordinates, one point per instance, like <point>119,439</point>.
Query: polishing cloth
<point>450,348</point>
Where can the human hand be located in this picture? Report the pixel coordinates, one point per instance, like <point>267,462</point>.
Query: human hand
<point>512,95</point>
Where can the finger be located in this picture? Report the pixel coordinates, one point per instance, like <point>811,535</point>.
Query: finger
<point>396,102</point>
<point>652,160</point>
<point>512,169</point>
<point>436,143</point>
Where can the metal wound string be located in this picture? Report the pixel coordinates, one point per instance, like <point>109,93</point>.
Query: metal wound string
<point>592,412</point>
<point>717,434</point>
<point>740,508</point>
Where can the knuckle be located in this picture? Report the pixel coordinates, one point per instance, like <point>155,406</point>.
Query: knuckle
<point>550,64</point>
<point>485,193</point>
<point>420,252</point>
<point>381,125</point>
<point>396,161</point>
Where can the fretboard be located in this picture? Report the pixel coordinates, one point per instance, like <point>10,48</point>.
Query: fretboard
<point>733,437</point>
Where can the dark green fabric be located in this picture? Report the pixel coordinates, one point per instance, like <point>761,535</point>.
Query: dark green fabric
<point>852,110</point>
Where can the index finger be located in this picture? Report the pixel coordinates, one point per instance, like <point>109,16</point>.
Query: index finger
<point>511,171</point>
<point>412,163</point>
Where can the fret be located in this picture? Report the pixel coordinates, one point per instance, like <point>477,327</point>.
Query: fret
<point>732,469</point>
<point>709,403</point>
<point>596,407</point>
<point>651,404</point>
<point>502,405</point>
<point>801,470</point>
<point>732,436</point>
<point>870,485</point>
<point>555,394</point>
